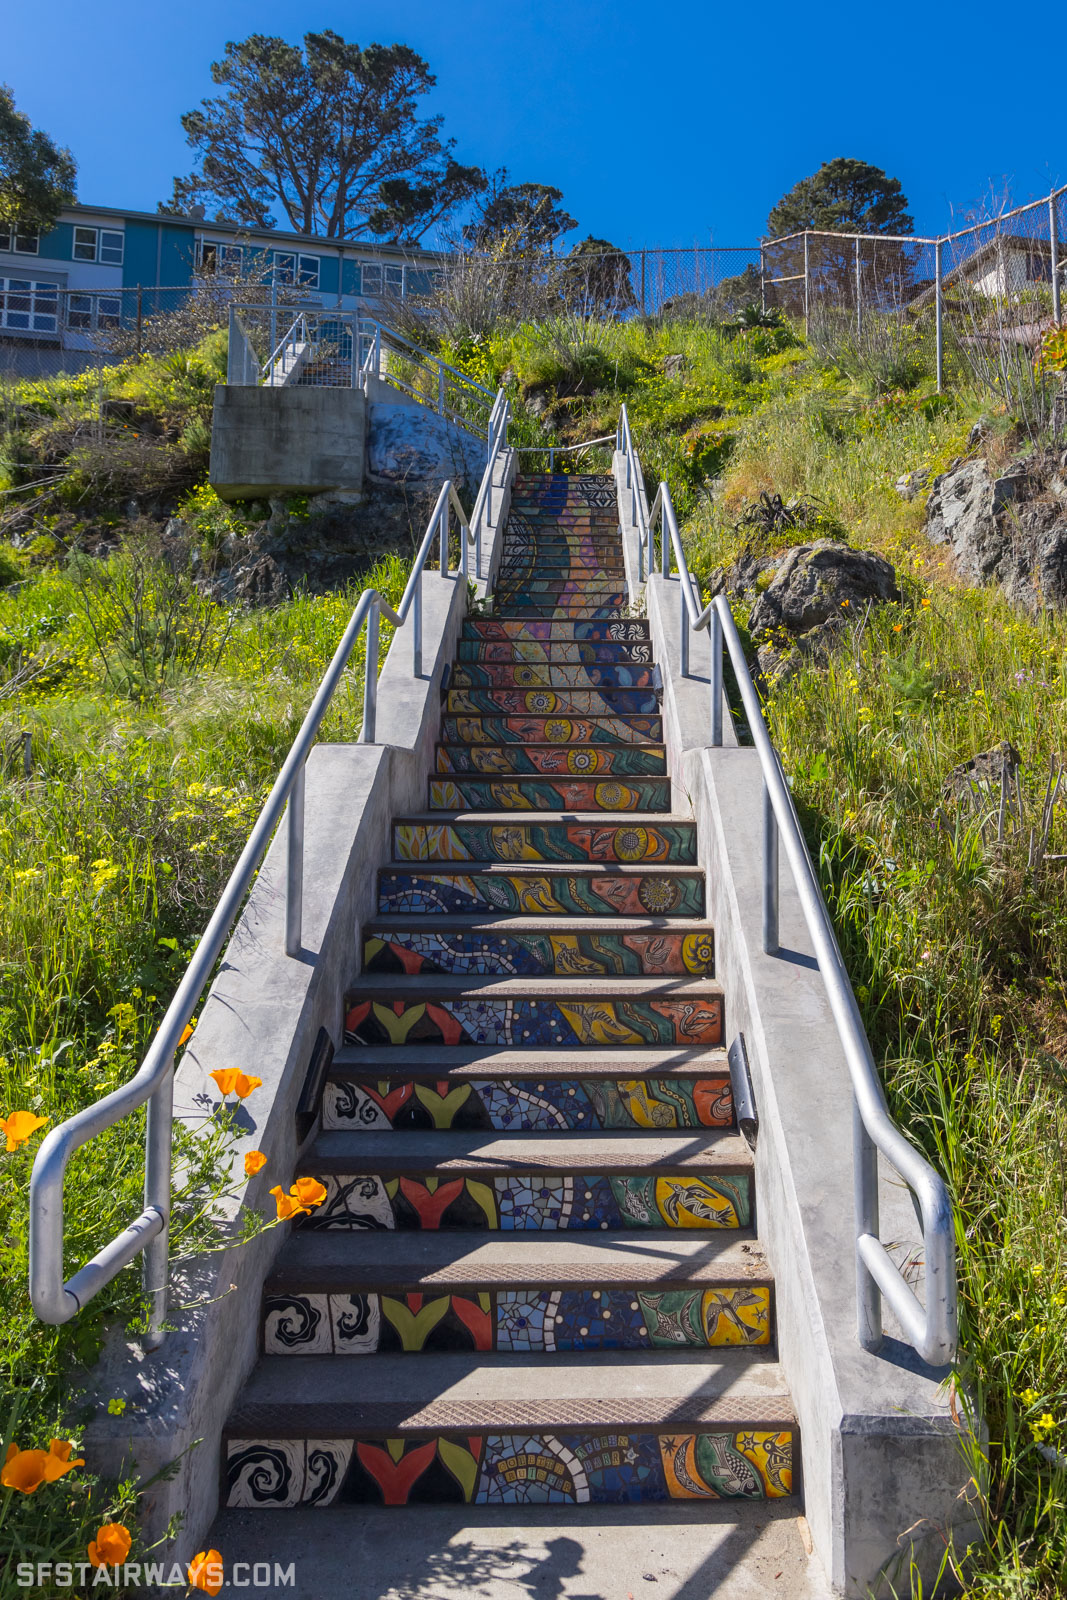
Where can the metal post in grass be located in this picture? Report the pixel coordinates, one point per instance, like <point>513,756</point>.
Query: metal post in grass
<point>140,321</point>
<point>859,291</point>
<point>807,287</point>
<point>940,317</point>
<point>643,254</point>
<point>762,282</point>
<point>1054,248</point>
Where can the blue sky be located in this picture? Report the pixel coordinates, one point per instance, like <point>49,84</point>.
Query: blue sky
<point>669,125</point>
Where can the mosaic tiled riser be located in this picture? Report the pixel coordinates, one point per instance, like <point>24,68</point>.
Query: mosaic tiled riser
<point>528,1105</point>
<point>540,675</point>
<point>533,841</point>
<point>548,702</point>
<point>532,1319</point>
<point>630,761</point>
<point>595,632</point>
<point>535,893</point>
<point>512,1469</point>
<point>546,730</point>
<point>523,1202</point>
<point>533,1022</point>
<point>566,954</point>
<point>549,794</point>
<point>560,651</point>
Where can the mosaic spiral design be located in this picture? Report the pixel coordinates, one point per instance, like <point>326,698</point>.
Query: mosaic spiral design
<point>551,702</point>
<point>660,952</point>
<point>535,893</point>
<point>630,842</point>
<point>551,730</point>
<point>547,794</point>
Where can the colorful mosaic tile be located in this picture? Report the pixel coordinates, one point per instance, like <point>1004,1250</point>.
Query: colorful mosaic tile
<point>527,1104</point>
<point>545,675</point>
<point>663,954</point>
<point>575,893</point>
<point>550,702</point>
<point>533,1467</point>
<point>548,759</point>
<point>476,1020</point>
<point>546,794</point>
<point>557,652</point>
<point>552,730</point>
<point>464,840</point>
<point>635,631</point>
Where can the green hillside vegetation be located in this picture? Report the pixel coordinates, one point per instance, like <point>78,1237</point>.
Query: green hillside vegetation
<point>157,719</point>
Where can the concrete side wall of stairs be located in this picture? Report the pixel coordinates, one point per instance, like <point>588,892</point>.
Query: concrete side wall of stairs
<point>884,1464</point>
<point>264,1014</point>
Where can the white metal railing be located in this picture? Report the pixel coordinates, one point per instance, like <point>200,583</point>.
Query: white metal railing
<point>931,1329</point>
<point>347,350</point>
<point>554,450</point>
<point>54,1300</point>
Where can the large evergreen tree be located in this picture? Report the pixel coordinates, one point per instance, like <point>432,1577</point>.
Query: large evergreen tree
<point>844,196</point>
<point>329,134</point>
<point>36,176</point>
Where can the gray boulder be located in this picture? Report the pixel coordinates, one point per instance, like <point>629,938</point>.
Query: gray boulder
<point>1009,530</point>
<point>816,590</point>
<point>409,444</point>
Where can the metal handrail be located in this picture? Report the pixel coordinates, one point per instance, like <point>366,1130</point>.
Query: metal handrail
<point>54,1300</point>
<point>555,450</point>
<point>931,1329</point>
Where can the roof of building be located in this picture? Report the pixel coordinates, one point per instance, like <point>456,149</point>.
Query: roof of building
<point>239,229</point>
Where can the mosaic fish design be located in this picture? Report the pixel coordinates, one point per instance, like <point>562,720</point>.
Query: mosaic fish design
<point>526,1468</point>
<point>526,1105</point>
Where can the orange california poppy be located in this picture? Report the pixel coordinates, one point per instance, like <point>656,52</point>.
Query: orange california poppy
<point>19,1126</point>
<point>255,1161</point>
<point>111,1545</point>
<point>26,1470</point>
<point>309,1191</point>
<point>205,1571</point>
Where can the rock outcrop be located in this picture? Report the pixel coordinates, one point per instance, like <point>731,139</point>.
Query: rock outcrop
<point>1010,530</point>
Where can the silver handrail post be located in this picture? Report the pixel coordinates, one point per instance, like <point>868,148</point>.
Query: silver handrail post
<point>370,677</point>
<point>664,543</point>
<point>715,636</point>
<point>865,1181</point>
<point>416,629</point>
<point>770,874</point>
<point>442,528</point>
<point>683,613</point>
<point>294,871</point>
<point>157,1175</point>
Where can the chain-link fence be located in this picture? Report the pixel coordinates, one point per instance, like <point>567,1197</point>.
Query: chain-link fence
<point>987,293</point>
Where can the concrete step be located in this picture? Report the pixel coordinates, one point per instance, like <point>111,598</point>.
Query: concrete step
<point>553,702</point>
<point>586,1182</point>
<point>478,944</point>
<point>554,652</point>
<point>429,1009</point>
<point>550,730</point>
<point>623,760</point>
<point>732,1549</point>
<point>474,1088</point>
<point>594,590</point>
<point>573,609</point>
<point>339,1294</point>
<point>536,889</point>
<point>638,794</point>
<point>629,1425</point>
<point>502,836</point>
<point>545,675</point>
<point>635,628</point>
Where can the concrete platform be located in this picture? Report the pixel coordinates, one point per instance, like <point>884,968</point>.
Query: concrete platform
<point>729,1551</point>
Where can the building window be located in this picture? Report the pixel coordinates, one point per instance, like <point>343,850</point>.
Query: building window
<point>88,312</point>
<point>99,244</point>
<point>377,278</point>
<point>27,306</point>
<point>21,241</point>
<point>226,259</point>
<point>290,267</point>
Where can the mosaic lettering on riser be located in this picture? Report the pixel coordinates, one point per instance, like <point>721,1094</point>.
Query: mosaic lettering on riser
<point>528,1105</point>
<point>563,1468</point>
<point>529,1319</point>
<point>533,894</point>
<point>530,1202</point>
<point>539,841</point>
<point>537,1022</point>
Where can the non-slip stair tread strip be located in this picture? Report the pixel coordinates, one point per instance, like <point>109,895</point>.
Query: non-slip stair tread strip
<point>562,819</point>
<point>617,1061</point>
<point>396,1153</point>
<point>414,1262</point>
<point>428,921</point>
<point>409,986</point>
<point>581,869</point>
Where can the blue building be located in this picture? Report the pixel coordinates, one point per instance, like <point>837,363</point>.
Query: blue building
<point>100,267</point>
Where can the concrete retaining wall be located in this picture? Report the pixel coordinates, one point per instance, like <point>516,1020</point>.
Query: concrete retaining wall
<point>884,1467</point>
<point>291,439</point>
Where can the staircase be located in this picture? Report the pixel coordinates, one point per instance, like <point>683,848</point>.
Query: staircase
<point>538,1235</point>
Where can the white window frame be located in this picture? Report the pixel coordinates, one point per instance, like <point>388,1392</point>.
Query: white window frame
<point>99,240</point>
<point>15,243</point>
<point>390,277</point>
<point>227,257</point>
<point>301,272</point>
<point>41,312</point>
<point>100,308</point>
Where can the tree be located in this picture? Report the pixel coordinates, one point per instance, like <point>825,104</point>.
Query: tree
<point>329,133</point>
<point>519,218</point>
<point>36,176</point>
<point>596,279</point>
<point>844,196</point>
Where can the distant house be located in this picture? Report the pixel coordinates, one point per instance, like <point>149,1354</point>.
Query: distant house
<point>99,267</point>
<point>1003,268</point>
